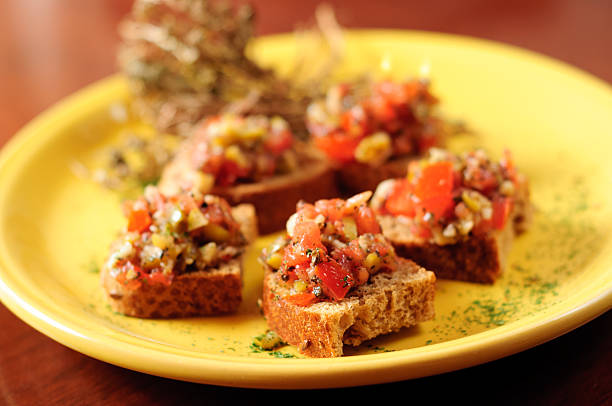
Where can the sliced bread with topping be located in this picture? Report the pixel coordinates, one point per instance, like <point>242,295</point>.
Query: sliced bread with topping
<point>172,263</point>
<point>335,280</point>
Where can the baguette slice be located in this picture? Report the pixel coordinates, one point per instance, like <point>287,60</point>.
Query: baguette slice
<point>274,198</point>
<point>387,303</point>
<point>201,293</point>
<point>477,259</point>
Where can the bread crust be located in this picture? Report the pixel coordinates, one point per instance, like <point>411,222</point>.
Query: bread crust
<point>388,302</point>
<point>356,177</point>
<point>274,198</point>
<point>478,258</point>
<point>201,293</point>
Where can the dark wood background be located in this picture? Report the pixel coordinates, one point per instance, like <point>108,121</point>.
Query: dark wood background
<point>50,48</point>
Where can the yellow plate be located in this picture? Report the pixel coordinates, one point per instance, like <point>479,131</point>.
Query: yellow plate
<point>55,227</point>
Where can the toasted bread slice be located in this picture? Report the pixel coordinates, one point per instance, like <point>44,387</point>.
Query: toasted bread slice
<point>388,302</point>
<point>478,258</point>
<point>356,177</point>
<point>200,293</point>
<point>274,198</point>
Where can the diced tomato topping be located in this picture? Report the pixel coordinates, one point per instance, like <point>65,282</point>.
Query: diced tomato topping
<point>420,230</point>
<point>335,280</point>
<point>354,122</point>
<point>354,252</point>
<point>483,180</point>
<point>438,206</point>
<point>333,209</point>
<point>502,206</point>
<point>400,200</point>
<point>294,257</point>
<point>159,277</point>
<point>130,284</point>
<point>278,142</point>
<point>229,172</point>
<point>301,299</point>
<point>308,234</point>
<point>436,180</point>
<point>366,221</point>
<point>139,220</point>
<point>434,188</point>
<point>382,109</point>
<point>338,146</point>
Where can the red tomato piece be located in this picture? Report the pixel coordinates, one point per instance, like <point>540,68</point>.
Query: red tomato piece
<point>335,280</point>
<point>382,109</point>
<point>354,122</point>
<point>308,234</point>
<point>333,209</point>
<point>366,221</point>
<point>294,257</point>
<point>502,206</point>
<point>438,206</point>
<point>130,284</point>
<point>278,142</point>
<point>338,146</point>
<point>434,189</point>
<point>138,220</point>
<point>436,180</point>
<point>354,252</point>
<point>483,180</point>
<point>421,230</point>
<point>159,277</point>
<point>229,172</point>
<point>301,299</point>
<point>400,200</point>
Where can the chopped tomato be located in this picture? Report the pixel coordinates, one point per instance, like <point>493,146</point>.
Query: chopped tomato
<point>382,109</point>
<point>483,180</point>
<point>434,189</point>
<point>229,172</point>
<point>308,234</point>
<point>366,221</point>
<point>438,206</point>
<point>278,142</point>
<point>421,230</point>
<point>354,122</point>
<point>400,200</point>
<point>139,220</point>
<point>436,180</point>
<point>335,280</point>
<point>399,93</point>
<point>159,277</point>
<point>130,284</point>
<point>333,209</point>
<point>301,299</point>
<point>294,257</point>
<point>353,251</point>
<point>306,210</point>
<point>501,211</point>
<point>338,146</point>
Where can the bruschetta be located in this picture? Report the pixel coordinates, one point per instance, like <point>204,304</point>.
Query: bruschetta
<point>334,279</point>
<point>456,214</point>
<point>178,256</point>
<point>250,159</point>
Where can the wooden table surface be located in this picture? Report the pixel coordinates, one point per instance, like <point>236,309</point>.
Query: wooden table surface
<point>50,48</point>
